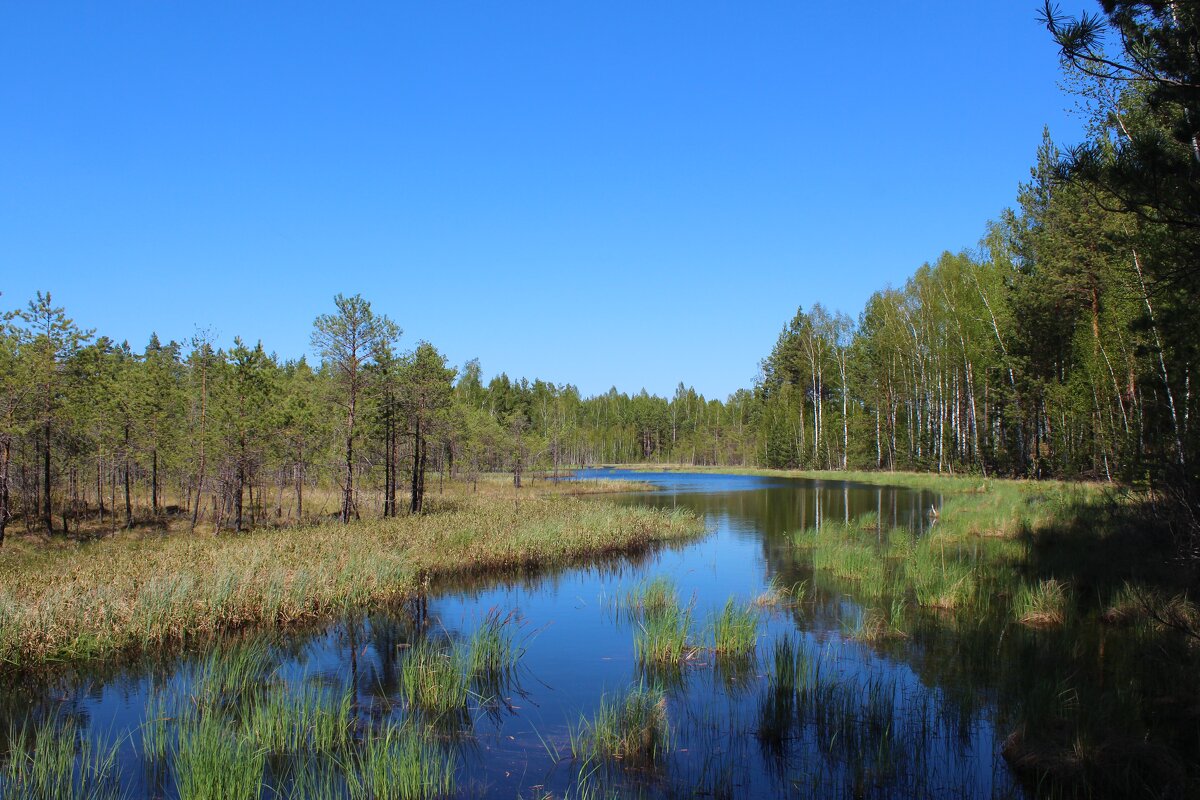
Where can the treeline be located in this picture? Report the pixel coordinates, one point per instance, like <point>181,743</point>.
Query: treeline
<point>1065,345</point>
<point>96,431</point>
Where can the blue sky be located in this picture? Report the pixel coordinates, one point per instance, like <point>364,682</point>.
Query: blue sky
<point>629,194</point>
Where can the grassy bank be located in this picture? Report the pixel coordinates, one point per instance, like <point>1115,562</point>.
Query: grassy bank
<point>1071,605</point>
<point>1068,601</point>
<point>68,600</point>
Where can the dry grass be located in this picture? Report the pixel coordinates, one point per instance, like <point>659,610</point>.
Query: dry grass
<point>67,600</point>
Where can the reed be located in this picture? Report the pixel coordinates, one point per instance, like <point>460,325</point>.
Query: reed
<point>158,726</point>
<point>734,630</point>
<point>211,764</point>
<point>632,729</point>
<point>398,764</point>
<point>651,597</point>
<point>300,720</point>
<point>662,637</point>
<point>58,760</point>
<point>492,652</point>
<point>434,678</point>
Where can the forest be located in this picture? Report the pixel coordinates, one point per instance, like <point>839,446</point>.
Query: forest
<point>1063,345</point>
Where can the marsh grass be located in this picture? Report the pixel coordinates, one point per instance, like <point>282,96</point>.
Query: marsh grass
<point>300,720</point>
<point>493,655</point>
<point>493,652</point>
<point>1043,604</point>
<point>58,760</point>
<point>212,764</point>
<point>158,727</point>
<point>1036,554</point>
<point>231,674</point>
<point>851,721</point>
<point>662,638</point>
<point>313,778</point>
<point>61,602</point>
<point>776,595</point>
<point>398,763</point>
<point>434,677</point>
<point>936,581</point>
<point>652,597</point>
<point>878,625</point>
<point>734,630</point>
<point>632,729</point>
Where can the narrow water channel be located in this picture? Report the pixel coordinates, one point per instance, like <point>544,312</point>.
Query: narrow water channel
<point>872,721</point>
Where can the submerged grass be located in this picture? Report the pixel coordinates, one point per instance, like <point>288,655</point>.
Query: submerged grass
<point>64,601</point>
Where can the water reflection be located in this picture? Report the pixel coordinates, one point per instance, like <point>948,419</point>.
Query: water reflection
<point>807,713</point>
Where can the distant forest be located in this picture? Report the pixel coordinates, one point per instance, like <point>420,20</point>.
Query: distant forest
<point>1064,345</point>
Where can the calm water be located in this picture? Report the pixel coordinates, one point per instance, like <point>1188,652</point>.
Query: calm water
<point>919,726</point>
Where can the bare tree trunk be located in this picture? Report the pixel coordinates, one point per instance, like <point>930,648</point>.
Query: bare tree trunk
<point>300,489</point>
<point>418,470</point>
<point>1162,363</point>
<point>237,498</point>
<point>47,518</point>
<point>154,480</point>
<point>348,489</point>
<point>128,497</point>
<point>5,510</point>
<point>200,470</point>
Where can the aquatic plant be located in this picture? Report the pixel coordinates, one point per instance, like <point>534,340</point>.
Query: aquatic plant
<point>301,719</point>
<point>232,673</point>
<point>158,726</point>
<point>212,764</point>
<point>433,677</point>
<point>734,630</point>
<point>655,596</point>
<point>877,625</point>
<point>58,760</point>
<point>632,728</point>
<point>397,763</point>
<point>662,637</point>
<point>1041,604</point>
<point>492,652</point>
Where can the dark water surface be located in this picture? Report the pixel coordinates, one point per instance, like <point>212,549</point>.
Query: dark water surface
<point>889,722</point>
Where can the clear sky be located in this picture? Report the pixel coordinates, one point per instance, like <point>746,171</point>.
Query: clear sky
<point>630,194</point>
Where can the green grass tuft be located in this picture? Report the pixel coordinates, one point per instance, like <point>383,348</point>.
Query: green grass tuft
<point>632,729</point>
